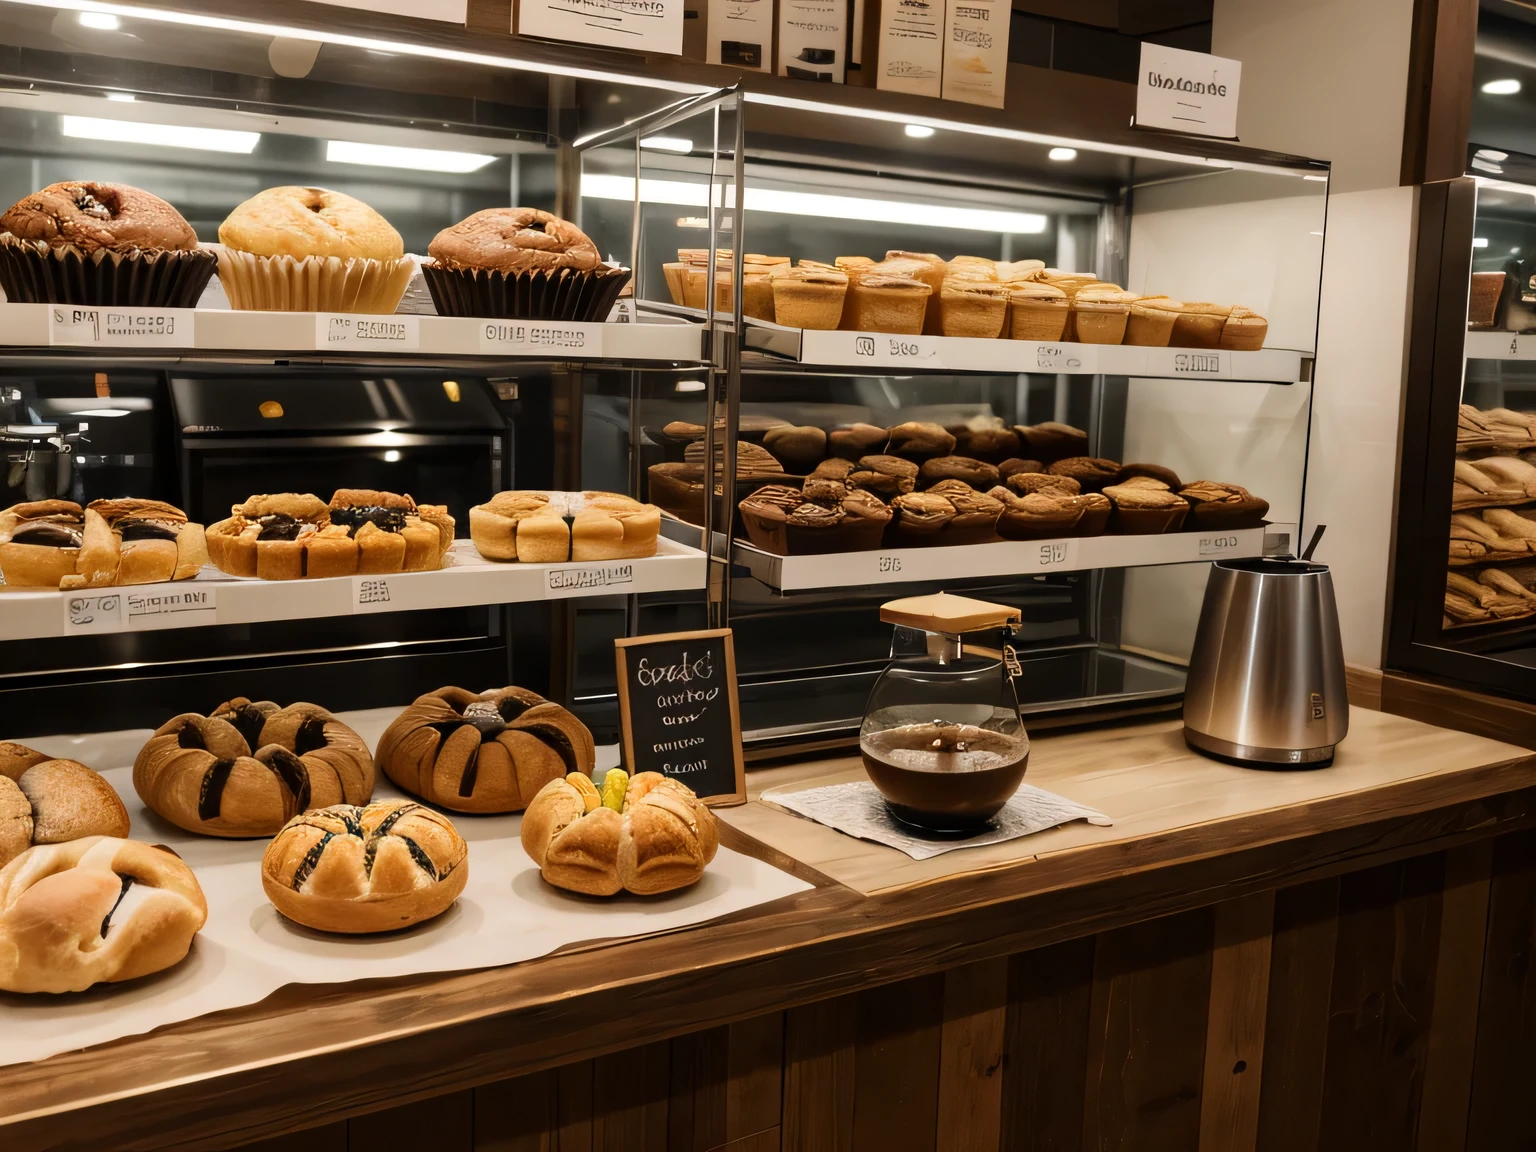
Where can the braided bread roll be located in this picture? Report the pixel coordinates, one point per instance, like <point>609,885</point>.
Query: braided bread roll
<point>250,767</point>
<point>647,834</point>
<point>485,752</point>
<point>374,869</point>
<point>60,925</point>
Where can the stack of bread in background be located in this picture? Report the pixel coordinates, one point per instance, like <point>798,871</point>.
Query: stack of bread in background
<point>914,293</point>
<point>1492,545</point>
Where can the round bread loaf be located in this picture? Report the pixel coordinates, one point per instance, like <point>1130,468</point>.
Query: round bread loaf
<point>49,801</point>
<point>646,835</point>
<point>483,752</point>
<point>374,869</point>
<point>70,916</point>
<point>94,217</point>
<point>514,240</point>
<point>300,222</point>
<point>250,767</point>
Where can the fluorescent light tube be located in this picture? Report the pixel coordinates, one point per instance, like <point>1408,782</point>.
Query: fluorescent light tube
<point>102,21</point>
<point>1480,242</point>
<point>1062,154</point>
<point>681,193</point>
<point>1509,87</point>
<point>416,159</point>
<point>122,97</point>
<point>919,131</point>
<point>667,143</point>
<point>164,135</point>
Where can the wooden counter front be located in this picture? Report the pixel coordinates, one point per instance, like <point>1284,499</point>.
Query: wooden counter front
<point>1100,988</point>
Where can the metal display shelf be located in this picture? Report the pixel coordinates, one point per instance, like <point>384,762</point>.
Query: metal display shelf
<point>139,331</point>
<point>882,353</point>
<point>213,597</point>
<point>1500,346</point>
<point>1006,558</point>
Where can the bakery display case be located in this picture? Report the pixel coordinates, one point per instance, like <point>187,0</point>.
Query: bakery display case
<point>914,388</point>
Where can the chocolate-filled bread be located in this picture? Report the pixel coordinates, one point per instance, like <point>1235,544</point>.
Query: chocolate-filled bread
<point>856,441</point>
<point>1092,473</point>
<point>973,472</point>
<point>885,476</point>
<point>1052,440</point>
<point>920,441</point>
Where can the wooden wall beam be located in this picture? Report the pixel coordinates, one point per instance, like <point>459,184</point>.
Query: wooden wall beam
<point>1234,1038</point>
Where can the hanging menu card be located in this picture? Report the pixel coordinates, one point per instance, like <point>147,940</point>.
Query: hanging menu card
<point>741,33</point>
<point>813,39</point>
<point>677,704</point>
<point>911,46</point>
<point>639,25</point>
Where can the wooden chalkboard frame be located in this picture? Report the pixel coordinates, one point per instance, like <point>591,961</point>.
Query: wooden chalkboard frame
<point>621,649</point>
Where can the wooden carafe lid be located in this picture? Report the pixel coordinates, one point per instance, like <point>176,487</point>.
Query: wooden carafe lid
<point>951,615</point>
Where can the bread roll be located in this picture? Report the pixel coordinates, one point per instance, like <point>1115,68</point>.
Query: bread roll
<point>60,925</point>
<point>357,870</point>
<point>48,801</point>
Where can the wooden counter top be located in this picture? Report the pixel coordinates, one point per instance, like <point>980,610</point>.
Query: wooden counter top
<point>1188,832</point>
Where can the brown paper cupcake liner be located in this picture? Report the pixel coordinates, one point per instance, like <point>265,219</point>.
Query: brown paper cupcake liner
<point>312,284</point>
<point>34,273</point>
<point>561,295</point>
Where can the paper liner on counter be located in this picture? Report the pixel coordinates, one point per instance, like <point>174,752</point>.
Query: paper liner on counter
<point>561,295</point>
<point>313,284</point>
<point>31,272</point>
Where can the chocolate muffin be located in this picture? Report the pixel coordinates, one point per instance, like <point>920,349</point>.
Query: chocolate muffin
<point>1014,465</point>
<point>1028,483</point>
<point>917,519</point>
<point>1091,472</point>
<point>856,441</point>
<point>1154,471</point>
<point>800,449</point>
<point>83,242</point>
<point>1218,506</point>
<point>918,441</point>
<point>976,514</point>
<point>972,472</point>
<point>1053,441</point>
<point>885,476</point>
<point>781,520</point>
<point>1144,506</point>
<point>1036,516</point>
<point>991,445</point>
<point>1096,512</point>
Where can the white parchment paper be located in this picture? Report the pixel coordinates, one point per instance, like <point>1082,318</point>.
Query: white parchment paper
<point>247,951</point>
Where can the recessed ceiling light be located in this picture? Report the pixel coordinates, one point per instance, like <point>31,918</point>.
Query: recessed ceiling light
<point>1492,154</point>
<point>1062,153</point>
<point>392,156</point>
<point>1480,242</point>
<point>392,456</point>
<point>164,135</point>
<point>919,131</point>
<point>1501,87</point>
<point>667,143</point>
<point>101,21</point>
<point>121,97</point>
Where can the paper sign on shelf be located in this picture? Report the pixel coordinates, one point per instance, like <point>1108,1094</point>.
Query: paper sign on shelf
<point>813,39</point>
<point>88,613</point>
<point>911,46</point>
<point>588,580</point>
<point>453,11</point>
<point>639,25</point>
<point>871,349</point>
<point>120,327</point>
<point>166,606</point>
<point>1192,92</point>
<point>343,333</point>
<point>741,34</point>
<point>554,338</point>
<point>1064,358</point>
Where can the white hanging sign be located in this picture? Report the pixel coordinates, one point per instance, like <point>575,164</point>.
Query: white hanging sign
<point>639,25</point>
<point>1191,92</point>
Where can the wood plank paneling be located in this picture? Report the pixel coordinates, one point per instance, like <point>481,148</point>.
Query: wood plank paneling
<point>574,1107</point>
<point>971,1057</point>
<point>1503,1111</point>
<point>322,1138</point>
<point>760,1142</point>
<point>1381,1004</point>
<point>629,1100</point>
<point>697,1091</point>
<point>896,1066</point>
<point>520,1115</point>
<point>1050,993</point>
<point>819,1054</point>
<point>1296,1020</point>
<point>1234,1036</point>
<point>441,1122</point>
<point>1146,1036</point>
<point>1458,980</point>
<point>754,1096</point>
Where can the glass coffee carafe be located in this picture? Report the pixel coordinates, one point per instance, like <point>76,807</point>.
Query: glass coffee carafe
<point>942,738</point>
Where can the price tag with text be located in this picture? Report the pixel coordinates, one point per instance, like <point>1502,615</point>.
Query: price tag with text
<point>88,613</point>
<point>1192,363</point>
<point>541,338</point>
<point>882,350</point>
<point>1053,555</point>
<point>588,580</point>
<point>335,333</point>
<point>1064,358</point>
<point>117,327</point>
<point>156,606</point>
<point>373,594</point>
<point>888,566</point>
<point>1219,544</point>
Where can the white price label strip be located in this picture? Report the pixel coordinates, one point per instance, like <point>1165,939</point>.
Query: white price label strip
<point>541,338</point>
<point>1064,358</point>
<point>335,333</point>
<point>166,606</point>
<point>88,613</point>
<point>588,579</point>
<point>120,327</point>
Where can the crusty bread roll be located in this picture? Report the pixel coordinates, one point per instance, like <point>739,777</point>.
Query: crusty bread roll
<point>302,222</point>
<point>58,544</point>
<point>70,916</point>
<point>249,767</point>
<point>48,801</point>
<point>552,527</point>
<point>646,835</point>
<point>374,869</point>
<point>483,752</point>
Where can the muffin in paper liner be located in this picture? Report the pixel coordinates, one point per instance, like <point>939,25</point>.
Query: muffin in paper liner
<point>32,272</point>
<point>313,284</point>
<point>564,294</point>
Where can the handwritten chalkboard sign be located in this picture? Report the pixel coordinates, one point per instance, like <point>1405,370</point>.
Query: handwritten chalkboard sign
<point>677,700</point>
